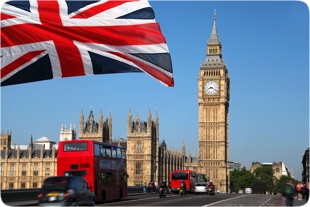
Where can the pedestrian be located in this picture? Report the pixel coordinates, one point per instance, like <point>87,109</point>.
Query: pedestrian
<point>144,188</point>
<point>289,192</point>
<point>299,188</point>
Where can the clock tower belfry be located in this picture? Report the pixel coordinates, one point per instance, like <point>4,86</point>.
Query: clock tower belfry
<point>213,102</point>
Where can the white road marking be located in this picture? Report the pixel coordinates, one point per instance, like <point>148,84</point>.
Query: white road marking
<point>265,202</point>
<point>223,201</point>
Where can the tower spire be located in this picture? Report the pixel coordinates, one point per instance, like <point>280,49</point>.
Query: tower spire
<point>214,39</point>
<point>214,48</point>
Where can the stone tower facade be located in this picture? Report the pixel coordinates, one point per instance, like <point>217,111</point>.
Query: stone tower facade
<point>142,149</point>
<point>67,134</point>
<point>6,140</point>
<point>213,102</point>
<point>100,131</point>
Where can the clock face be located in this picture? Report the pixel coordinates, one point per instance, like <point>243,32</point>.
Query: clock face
<point>211,87</point>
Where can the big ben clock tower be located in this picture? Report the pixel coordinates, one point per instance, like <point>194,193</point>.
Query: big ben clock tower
<point>213,101</point>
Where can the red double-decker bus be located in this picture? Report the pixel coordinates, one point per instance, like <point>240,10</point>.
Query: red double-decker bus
<point>103,166</point>
<point>188,176</point>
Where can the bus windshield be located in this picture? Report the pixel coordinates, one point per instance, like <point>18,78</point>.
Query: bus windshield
<point>179,175</point>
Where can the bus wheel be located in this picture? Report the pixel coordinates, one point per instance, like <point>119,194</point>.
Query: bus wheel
<point>120,194</point>
<point>103,196</point>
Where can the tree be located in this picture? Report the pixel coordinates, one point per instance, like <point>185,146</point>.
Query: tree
<point>241,179</point>
<point>265,177</point>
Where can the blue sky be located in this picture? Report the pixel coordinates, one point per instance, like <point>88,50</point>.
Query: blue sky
<point>265,46</point>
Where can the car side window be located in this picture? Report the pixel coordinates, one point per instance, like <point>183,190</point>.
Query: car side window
<point>76,184</point>
<point>85,184</point>
<point>72,183</point>
<point>81,184</point>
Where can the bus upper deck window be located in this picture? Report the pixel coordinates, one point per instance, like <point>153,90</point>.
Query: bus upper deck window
<point>113,152</point>
<point>118,153</point>
<point>108,152</point>
<point>103,152</point>
<point>123,154</point>
<point>97,150</point>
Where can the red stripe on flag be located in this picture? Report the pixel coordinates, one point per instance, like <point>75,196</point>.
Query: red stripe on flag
<point>19,62</point>
<point>144,34</point>
<point>4,16</point>
<point>65,47</point>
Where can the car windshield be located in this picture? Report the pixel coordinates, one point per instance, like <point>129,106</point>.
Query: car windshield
<point>59,183</point>
<point>200,184</point>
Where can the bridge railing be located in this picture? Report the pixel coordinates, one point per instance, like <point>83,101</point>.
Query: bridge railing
<point>19,195</point>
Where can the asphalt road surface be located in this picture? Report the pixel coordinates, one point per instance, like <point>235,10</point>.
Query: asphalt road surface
<point>202,200</point>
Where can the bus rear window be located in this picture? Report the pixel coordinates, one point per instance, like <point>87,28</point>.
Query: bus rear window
<point>180,176</point>
<point>76,146</point>
<point>79,173</point>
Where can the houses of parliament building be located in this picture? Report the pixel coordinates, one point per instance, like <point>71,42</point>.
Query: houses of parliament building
<point>147,159</point>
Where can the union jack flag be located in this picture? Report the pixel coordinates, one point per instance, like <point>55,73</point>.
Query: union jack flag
<point>46,39</point>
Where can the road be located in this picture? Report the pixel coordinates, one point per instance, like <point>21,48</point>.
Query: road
<point>202,200</point>
<point>190,200</point>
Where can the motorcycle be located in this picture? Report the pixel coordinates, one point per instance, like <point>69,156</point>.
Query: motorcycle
<point>162,192</point>
<point>182,191</point>
<point>211,190</point>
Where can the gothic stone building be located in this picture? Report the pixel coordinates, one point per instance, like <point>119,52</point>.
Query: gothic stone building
<point>147,160</point>
<point>213,102</point>
<point>100,131</point>
<point>26,168</point>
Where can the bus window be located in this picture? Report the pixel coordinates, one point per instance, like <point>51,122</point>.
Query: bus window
<point>180,176</point>
<point>75,146</point>
<point>108,152</point>
<point>123,153</point>
<point>118,153</point>
<point>105,178</point>
<point>97,150</point>
<point>113,152</point>
<point>80,173</point>
<point>103,152</point>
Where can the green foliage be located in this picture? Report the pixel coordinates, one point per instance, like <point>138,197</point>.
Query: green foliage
<point>241,179</point>
<point>262,180</point>
<point>259,187</point>
<point>265,175</point>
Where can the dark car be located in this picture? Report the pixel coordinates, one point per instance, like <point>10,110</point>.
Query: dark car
<point>65,191</point>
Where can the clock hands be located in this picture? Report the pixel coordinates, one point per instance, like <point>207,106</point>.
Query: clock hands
<point>211,87</point>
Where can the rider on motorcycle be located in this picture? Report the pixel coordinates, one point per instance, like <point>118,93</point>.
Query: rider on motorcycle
<point>164,186</point>
<point>163,189</point>
<point>211,188</point>
<point>183,186</point>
